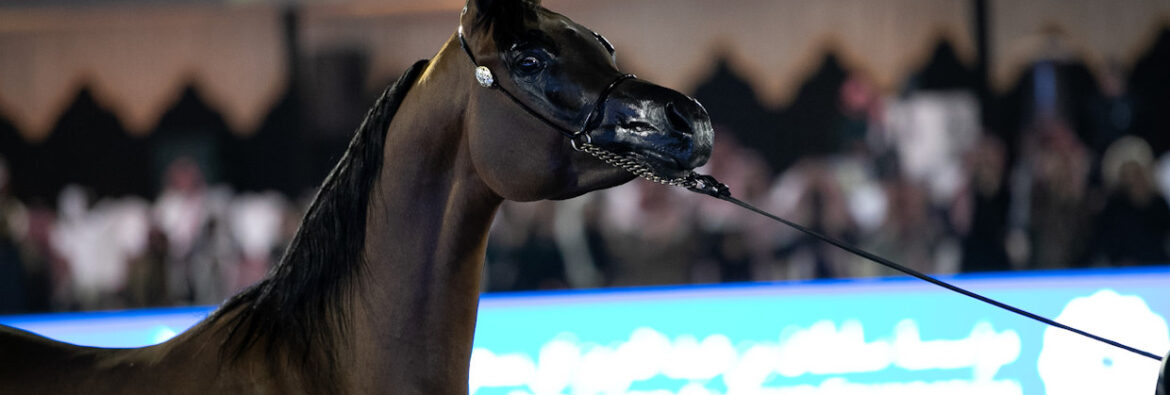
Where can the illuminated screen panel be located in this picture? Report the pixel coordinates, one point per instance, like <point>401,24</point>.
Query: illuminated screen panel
<point>892,336</point>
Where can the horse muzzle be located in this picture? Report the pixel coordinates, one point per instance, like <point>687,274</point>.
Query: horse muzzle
<point>666,130</point>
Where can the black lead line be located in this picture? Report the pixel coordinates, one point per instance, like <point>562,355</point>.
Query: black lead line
<point>707,185</point>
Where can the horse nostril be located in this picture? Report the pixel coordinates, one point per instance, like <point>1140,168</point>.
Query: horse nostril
<point>677,120</point>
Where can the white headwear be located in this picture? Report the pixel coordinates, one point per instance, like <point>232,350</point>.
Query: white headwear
<point>1124,150</point>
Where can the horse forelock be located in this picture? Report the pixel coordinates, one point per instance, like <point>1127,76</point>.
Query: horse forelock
<point>297,309</point>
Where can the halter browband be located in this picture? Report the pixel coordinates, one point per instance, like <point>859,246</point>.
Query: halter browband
<point>577,138</point>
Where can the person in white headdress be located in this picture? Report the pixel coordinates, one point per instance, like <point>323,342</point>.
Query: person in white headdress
<point>1134,226</point>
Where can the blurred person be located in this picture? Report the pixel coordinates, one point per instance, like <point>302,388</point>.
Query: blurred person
<point>1112,113</point>
<point>98,243</point>
<point>1060,215</point>
<point>572,230</point>
<point>182,212</point>
<point>293,214</point>
<point>25,273</point>
<point>930,131</point>
<point>809,194</point>
<point>542,263</point>
<point>255,223</point>
<point>593,216</point>
<point>507,235</point>
<point>1134,226</point>
<point>212,265</point>
<point>1051,176</point>
<point>1163,175</point>
<point>146,283</point>
<point>69,239</point>
<point>13,292</point>
<point>733,241</point>
<point>650,234</point>
<point>981,212</point>
<point>1050,90</point>
<point>859,179</point>
<point>50,285</point>
<point>522,252</point>
<point>861,114</point>
<point>910,234</point>
<point>127,228</point>
<point>786,198</point>
<point>13,274</point>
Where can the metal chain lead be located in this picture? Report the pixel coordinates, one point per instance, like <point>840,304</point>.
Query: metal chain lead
<point>633,166</point>
<point>693,181</point>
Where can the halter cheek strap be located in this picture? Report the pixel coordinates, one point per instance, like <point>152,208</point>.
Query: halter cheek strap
<point>486,79</point>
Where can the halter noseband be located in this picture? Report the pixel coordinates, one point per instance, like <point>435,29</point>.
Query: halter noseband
<point>577,138</point>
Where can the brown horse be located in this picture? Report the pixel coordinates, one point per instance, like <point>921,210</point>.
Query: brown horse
<point>378,291</point>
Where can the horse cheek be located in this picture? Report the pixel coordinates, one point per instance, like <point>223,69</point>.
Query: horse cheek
<point>516,169</point>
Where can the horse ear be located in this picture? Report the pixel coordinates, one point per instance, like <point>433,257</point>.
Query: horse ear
<point>496,5</point>
<point>502,15</point>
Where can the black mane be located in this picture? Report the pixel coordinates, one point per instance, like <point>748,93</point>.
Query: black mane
<point>294,309</point>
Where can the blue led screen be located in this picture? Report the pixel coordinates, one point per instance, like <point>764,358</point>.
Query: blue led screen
<point>895,336</point>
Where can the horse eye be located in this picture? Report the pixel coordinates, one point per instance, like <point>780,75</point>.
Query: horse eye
<point>530,64</point>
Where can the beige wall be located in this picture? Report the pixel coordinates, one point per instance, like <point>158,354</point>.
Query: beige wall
<point>137,58</point>
<point>676,42</point>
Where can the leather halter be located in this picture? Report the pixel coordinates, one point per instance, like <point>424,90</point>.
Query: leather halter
<point>578,137</point>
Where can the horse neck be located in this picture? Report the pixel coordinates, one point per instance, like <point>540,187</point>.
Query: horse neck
<point>427,225</point>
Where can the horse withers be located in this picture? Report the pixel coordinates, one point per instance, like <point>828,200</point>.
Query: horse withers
<point>378,291</point>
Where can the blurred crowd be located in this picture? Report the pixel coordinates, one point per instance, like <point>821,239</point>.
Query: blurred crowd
<point>194,244</point>
<point>914,179</point>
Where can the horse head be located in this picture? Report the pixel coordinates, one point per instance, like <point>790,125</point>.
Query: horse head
<point>550,84</point>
